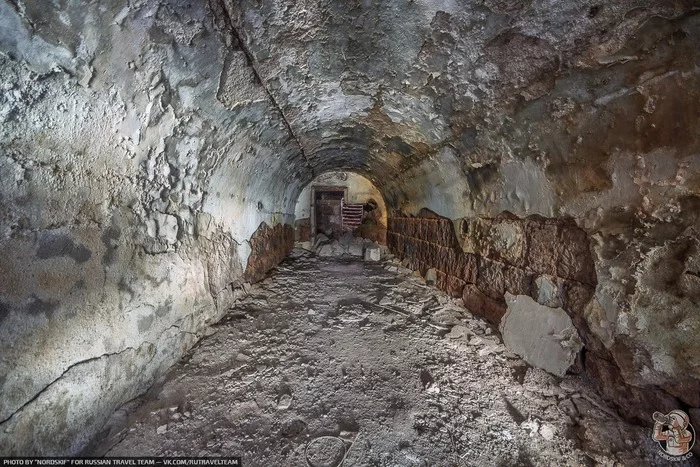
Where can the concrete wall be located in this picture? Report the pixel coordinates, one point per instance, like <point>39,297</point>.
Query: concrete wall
<point>132,175</point>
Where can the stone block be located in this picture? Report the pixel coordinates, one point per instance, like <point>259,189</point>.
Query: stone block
<point>269,246</point>
<point>408,248</point>
<point>490,278</point>
<point>411,226</point>
<point>429,230</point>
<point>419,251</point>
<point>517,281</point>
<point>506,242</point>
<point>422,228</point>
<point>576,297</point>
<point>575,261</point>
<point>437,255</point>
<point>356,247</point>
<point>544,337</point>
<point>400,245</point>
<point>454,262</point>
<point>549,291</point>
<point>372,253</point>
<point>430,253</point>
<point>471,268</point>
<point>445,233</point>
<point>454,286</point>
<point>431,276</point>
<point>542,247</point>
<point>474,233</point>
<point>391,240</point>
<point>482,305</point>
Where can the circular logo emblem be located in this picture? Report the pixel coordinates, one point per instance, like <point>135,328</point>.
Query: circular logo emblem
<point>673,432</point>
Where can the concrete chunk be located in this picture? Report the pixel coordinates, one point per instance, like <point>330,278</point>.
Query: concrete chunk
<point>356,247</point>
<point>372,253</point>
<point>544,337</point>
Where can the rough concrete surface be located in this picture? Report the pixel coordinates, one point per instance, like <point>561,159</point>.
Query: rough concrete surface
<point>399,374</point>
<point>152,153</point>
<point>124,225</point>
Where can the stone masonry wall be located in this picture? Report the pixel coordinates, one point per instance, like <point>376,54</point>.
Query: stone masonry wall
<point>269,246</point>
<point>480,259</point>
<point>507,254</point>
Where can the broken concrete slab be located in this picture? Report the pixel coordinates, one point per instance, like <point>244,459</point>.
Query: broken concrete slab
<point>544,337</point>
<point>356,247</point>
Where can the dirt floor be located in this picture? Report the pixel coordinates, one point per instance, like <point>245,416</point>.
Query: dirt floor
<point>332,359</point>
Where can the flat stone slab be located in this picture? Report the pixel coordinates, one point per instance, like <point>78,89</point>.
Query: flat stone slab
<point>544,337</point>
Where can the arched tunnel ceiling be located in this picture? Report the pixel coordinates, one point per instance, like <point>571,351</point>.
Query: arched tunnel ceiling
<point>148,148</point>
<point>382,86</point>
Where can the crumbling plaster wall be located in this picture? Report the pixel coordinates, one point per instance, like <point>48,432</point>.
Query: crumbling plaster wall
<point>132,176</point>
<point>610,141</point>
<point>575,109</point>
<point>143,143</point>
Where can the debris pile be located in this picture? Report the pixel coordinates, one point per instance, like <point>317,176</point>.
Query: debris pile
<point>348,245</point>
<point>358,362</point>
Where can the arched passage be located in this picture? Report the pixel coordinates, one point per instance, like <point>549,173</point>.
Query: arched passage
<point>340,202</point>
<point>152,154</point>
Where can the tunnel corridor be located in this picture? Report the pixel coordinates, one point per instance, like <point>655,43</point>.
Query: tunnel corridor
<point>174,173</point>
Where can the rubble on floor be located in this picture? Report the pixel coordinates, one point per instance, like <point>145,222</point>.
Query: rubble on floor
<point>340,361</point>
<point>348,245</point>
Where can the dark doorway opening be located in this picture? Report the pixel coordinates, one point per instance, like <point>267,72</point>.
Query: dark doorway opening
<point>328,204</point>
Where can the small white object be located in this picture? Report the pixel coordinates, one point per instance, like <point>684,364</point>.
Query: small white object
<point>547,431</point>
<point>372,253</point>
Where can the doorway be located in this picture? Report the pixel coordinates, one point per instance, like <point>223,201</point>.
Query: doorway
<point>327,207</point>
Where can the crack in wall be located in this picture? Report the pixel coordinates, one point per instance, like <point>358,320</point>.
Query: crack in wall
<point>81,362</point>
<point>89,360</point>
<point>251,63</point>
